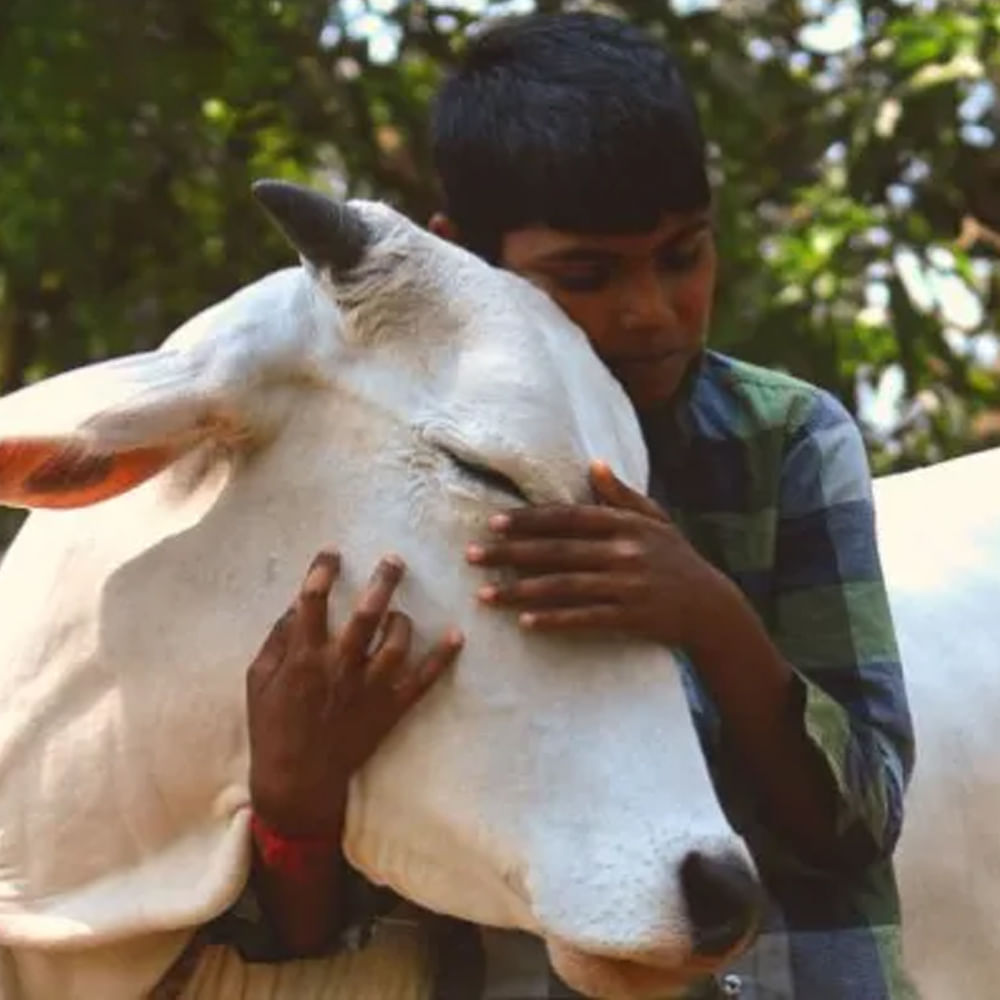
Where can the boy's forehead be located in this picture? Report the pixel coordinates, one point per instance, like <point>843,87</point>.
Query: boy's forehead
<point>537,243</point>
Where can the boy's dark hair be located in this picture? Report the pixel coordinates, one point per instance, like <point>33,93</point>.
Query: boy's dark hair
<point>576,121</point>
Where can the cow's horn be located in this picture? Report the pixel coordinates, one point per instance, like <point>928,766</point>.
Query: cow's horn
<point>327,233</point>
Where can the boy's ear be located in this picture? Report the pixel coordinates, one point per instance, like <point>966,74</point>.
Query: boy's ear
<point>442,226</point>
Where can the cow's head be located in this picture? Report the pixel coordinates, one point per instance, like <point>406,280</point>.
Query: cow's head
<point>388,395</point>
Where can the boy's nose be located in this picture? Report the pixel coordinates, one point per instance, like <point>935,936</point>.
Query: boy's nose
<point>648,308</point>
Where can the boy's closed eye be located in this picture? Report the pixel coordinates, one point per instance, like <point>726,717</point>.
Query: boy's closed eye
<point>678,259</point>
<point>593,271</point>
<point>583,278</point>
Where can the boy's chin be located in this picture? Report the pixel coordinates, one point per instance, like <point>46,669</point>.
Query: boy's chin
<point>654,382</point>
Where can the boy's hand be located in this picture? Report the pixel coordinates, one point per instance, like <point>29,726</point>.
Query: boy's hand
<point>621,567</point>
<point>319,703</point>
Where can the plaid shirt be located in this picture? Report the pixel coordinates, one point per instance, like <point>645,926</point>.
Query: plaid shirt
<point>767,476</point>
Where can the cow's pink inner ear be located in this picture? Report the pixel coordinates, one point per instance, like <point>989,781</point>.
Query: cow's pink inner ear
<point>61,474</point>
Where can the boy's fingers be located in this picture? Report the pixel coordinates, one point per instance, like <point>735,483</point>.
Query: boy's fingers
<point>612,490</point>
<point>561,521</point>
<point>598,617</point>
<point>556,555</point>
<point>558,590</point>
<point>361,627</point>
<point>393,649</point>
<point>272,651</point>
<point>434,664</point>
<point>311,609</point>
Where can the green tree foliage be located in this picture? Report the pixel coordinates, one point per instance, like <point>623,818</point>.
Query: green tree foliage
<point>853,144</point>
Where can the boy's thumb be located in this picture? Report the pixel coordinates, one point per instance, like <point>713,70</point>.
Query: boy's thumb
<point>614,492</point>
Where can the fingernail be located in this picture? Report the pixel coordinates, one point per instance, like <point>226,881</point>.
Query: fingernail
<point>487,593</point>
<point>475,553</point>
<point>315,578</point>
<point>499,522</point>
<point>455,638</point>
<point>527,619</point>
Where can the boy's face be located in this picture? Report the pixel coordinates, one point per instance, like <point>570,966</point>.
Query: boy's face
<point>643,300</point>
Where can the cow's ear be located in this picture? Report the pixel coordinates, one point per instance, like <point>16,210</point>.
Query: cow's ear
<point>94,433</point>
<point>62,473</point>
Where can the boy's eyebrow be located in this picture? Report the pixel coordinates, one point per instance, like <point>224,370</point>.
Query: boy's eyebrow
<point>595,254</point>
<point>686,231</point>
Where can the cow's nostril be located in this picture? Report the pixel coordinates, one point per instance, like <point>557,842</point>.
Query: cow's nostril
<point>723,899</point>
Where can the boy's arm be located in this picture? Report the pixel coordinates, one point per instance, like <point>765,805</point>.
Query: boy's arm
<point>760,700</point>
<point>278,917</point>
<point>834,625</point>
<point>319,702</point>
<point>818,717</point>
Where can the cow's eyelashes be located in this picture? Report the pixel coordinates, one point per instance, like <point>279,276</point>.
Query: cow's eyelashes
<point>487,477</point>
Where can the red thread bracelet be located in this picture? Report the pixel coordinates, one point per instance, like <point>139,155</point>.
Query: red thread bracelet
<point>293,856</point>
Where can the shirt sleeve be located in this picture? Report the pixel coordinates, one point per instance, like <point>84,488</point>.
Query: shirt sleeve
<point>833,624</point>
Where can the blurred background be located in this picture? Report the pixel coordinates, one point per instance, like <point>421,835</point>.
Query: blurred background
<point>853,143</point>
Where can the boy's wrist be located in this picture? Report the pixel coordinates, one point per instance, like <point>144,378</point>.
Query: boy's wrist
<point>300,813</point>
<point>737,659</point>
<point>718,615</point>
<point>291,856</point>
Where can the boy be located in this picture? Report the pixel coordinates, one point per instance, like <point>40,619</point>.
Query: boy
<point>569,151</point>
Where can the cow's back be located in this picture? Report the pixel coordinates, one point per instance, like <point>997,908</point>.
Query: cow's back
<point>939,534</point>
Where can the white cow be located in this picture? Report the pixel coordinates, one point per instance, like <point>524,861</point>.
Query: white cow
<point>939,535</point>
<point>545,784</point>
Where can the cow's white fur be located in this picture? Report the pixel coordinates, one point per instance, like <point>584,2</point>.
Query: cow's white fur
<point>939,535</point>
<point>122,603</point>
<point>546,784</point>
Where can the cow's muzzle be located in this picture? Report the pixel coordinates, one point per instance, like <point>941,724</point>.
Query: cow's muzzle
<point>723,900</point>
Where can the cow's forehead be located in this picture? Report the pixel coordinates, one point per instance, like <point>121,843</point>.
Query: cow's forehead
<point>500,357</point>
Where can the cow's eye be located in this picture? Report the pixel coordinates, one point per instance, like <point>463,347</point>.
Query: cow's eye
<point>487,477</point>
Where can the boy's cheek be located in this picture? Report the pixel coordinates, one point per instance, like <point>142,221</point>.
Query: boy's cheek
<point>693,298</point>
